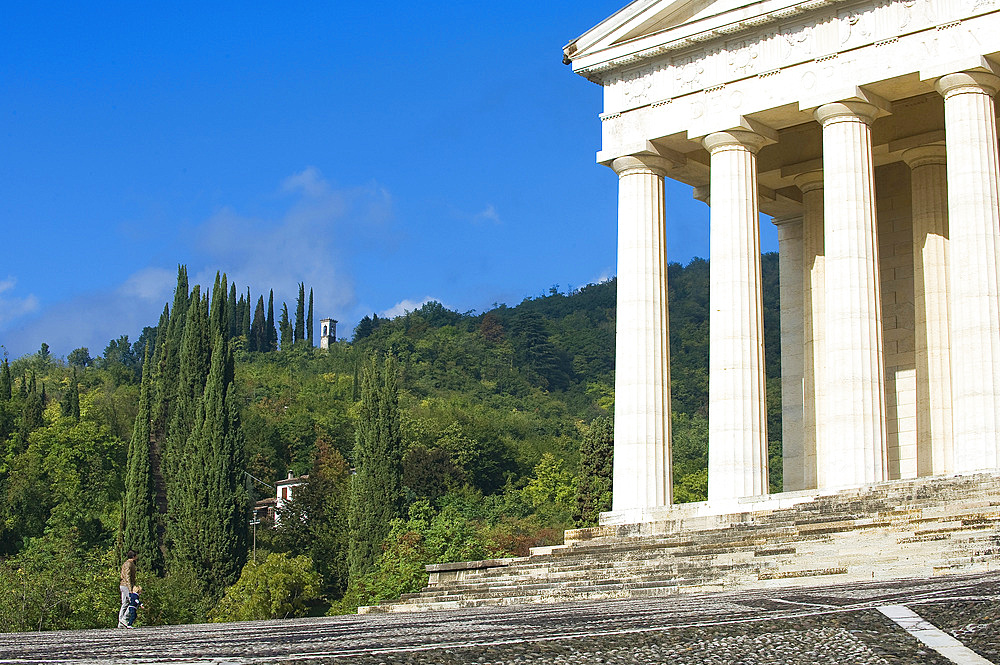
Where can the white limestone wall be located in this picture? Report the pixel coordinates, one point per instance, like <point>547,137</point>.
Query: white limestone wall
<point>895,235</point>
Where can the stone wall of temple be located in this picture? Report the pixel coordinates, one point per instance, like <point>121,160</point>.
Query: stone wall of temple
<point>895,240</point>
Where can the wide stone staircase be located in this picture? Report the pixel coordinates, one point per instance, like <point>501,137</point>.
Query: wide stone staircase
<point>899,529</point>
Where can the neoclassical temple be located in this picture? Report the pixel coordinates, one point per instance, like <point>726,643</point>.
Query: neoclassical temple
<point>868,132</point>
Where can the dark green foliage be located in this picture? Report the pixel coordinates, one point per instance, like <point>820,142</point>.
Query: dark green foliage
<point>80,357</point>
<point>232,312</point>
<point>259,337</point>
<point>168,357</point>
<point>195,357</point>
<point>245,325</point>
<point>364,328</point>
<point>376,490</point>
<point>315,522</point>
<point>70,404</point>
<point>548,367</point>
<point>309,319</point>
<point>209,526</point>
<point>121,362</point>
<point>272,335</point>
<point>6,384</point>
<point>300,313</point>
<point>593,489</point>
<point>148,337</point>
<point>287,335</point>
<point>140,530</point>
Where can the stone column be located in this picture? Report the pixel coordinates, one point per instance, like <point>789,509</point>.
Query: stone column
<point>641,477</point>
<point>853,408</point>
<point>932,350</point>
<point>737,422</point>
<point>790,256</point>
<point>813,324</point>
<point>974,251</point>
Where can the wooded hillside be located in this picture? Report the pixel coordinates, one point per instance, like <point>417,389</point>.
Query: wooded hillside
<point>498,423</point>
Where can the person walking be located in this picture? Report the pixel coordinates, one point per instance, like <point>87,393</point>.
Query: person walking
<point>127,583</point>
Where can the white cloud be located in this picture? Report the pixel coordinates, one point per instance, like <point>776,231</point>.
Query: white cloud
<point>306,239</point>
<point>13,307</point>
<point>488,214</point>
<point>93,319</point>
<point>404,306</point>
<point>151,284</point>
<point>606,276</point>
<point>309,241</point>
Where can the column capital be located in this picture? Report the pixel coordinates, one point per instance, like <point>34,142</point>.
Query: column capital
<point>787,220</point>
<point>809,181</point>
<point>641,163</point>
<point>742,138</point>
<point>924,155</point>
<point>964,82</point>
<point>848,110</point>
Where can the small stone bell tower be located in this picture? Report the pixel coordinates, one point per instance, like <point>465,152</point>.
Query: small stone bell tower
<point>328,333</point>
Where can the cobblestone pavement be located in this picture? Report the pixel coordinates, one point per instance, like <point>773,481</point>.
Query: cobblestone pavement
<point>789,626</point>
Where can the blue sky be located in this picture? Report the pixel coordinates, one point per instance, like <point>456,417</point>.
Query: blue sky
<point>384,153</point>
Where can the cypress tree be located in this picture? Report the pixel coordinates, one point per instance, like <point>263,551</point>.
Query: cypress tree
<point>168,356</point>
<point>258,339</point>
<point>218,321</point>
<point>286,329</point>
<point>272,336</point>
<point>309,320</point>
<point>593,489</point>
<point>32,410</point>
<point>245,324</point>
<point>211,531</point>
<point>300,313</point>
<point>194,360</point>
<point>140,521</point>
<point>70,404</point>
<point>231,311</point>
<point>377,487</point>
<point>6,385</point>
<point>240,306</point>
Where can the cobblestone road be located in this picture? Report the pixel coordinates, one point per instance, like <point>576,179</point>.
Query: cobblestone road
<point>834,624</point>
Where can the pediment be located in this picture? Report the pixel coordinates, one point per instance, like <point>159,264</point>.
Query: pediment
<point>646,27</point>
<point>643,18</point>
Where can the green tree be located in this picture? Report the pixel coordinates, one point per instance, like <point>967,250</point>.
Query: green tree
<point>70,404</point>
<point>210,533</point>
<point>259,339</point>
<point>287,335</point>
<point>376,490</point>
<point>245,325</point>
<point>232,311</point>
<point>80,357</point>
<point>6,384</point>
<point>309,320</point>
<point>272,335</point>
<point>593,489</point>
<point>279,588</point>
<point>315,522</point>
<point>140,531</point>
<point>300,313</point>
